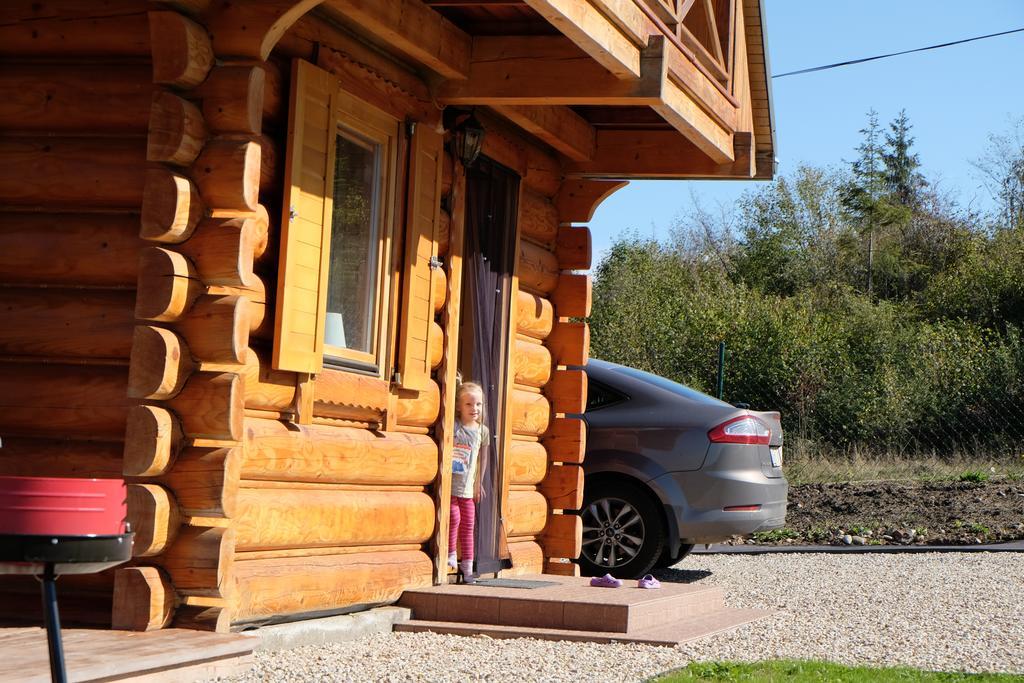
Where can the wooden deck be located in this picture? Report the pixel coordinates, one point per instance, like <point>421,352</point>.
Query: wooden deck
<point>103,655</point>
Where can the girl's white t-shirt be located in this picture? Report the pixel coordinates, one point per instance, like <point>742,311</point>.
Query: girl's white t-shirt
<point>465,459</point>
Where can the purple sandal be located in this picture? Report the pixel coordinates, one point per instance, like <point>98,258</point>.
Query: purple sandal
<point>606,581</point>
<point>648,582</point>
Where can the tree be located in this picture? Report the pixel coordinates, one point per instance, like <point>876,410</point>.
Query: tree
<point>1002,172</point>
<point>903,180</point>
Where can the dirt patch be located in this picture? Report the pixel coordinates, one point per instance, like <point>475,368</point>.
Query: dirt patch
<point>919,513</point>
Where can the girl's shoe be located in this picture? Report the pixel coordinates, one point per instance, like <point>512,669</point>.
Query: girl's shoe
<point>466,571</point>
<point>453,562</point>
<point>648,582</point>
<point>606,581</point>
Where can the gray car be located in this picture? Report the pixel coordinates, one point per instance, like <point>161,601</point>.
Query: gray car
<point>668,467</point>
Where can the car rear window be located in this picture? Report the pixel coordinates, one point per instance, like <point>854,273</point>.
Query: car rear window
<point>669,385</point>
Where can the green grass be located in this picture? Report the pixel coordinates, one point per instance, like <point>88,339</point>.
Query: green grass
<point>792,670</point>
<point>775,535</point>
<point>976,476</point>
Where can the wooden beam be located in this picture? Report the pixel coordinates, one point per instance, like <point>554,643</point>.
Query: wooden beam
<point>413,29</point>
<point>252,28</point>
<point>560,127</point>
<point>660,154</point>
<point>594,33</point>
<point>549,70</point>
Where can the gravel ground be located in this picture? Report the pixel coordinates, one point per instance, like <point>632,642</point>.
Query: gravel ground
<point>937,611</point>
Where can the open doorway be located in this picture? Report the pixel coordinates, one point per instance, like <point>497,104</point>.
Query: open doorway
<point>492,202</point>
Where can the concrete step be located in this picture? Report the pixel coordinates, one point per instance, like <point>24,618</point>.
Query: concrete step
<point>571,604</point>
<point>675,632</point>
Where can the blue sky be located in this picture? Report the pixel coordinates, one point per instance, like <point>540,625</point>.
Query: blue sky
<point>955,97</point>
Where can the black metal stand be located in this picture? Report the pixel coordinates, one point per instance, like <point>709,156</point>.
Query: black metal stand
<point>51,616</point>
<point>50,556</point>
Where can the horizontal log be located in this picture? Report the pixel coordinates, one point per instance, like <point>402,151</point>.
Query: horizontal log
<point>227,174</point>
<point>160,363</point>
<point>439,283</point>
<point>325,550</point>
<point>204,481</point>
<point>155,518</point>
<point>210,406</point>
<point>177,131</point>
<point>276,451</point>
<point>419,408</point>
<point>222,250</point>
<point>538,268</point>
<point>216,328</point>
<point>181,50</point>
<point>152,440</point>
<point>436,345</point>
<point>563,536</point>
<point>531,363</point>
<point>561,567</point>
<point>70,99</point>
<point>47,248</point>
<point>202,618</point>
<point>63,401</point>
<point>529,413</point>
<point>527,513</point>
<point>200,561</point>
<point>444,233</point>
<point>275,94</point>
<point>578,199</point>
<point>298,585</point>
<point>534,315</point>
<point>538,218</point>
<point>271,168</point>
<point>527,462</point>
<point>232,99</point>
<point>23,457</point>
<point>282,518</point>
<point>573,248</point>
<point>266,388</point>
<point>527,558</point>
<point>349,396</point>
<point>569,343</point>
<point>77,323</point>
<point>563,487</point>
<point>572,296</point>
<point>566,440</point>
<point>567,391</point>
<point>168,285</point>
<point>144,599</point>
<point>447,173</point>
<point>171,206</point>
<point>70,28</point>
<point>72,172</point>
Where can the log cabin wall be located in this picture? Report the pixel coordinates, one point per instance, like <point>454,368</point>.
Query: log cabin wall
<point>144,147</point>
<point>76,91</point>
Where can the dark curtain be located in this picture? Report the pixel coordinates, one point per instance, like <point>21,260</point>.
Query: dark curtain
<point>492,197</point>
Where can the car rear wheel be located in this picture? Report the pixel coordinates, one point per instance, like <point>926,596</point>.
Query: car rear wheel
<point>623,532</point>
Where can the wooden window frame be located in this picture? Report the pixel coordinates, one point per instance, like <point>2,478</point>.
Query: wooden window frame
<point>360,119</point>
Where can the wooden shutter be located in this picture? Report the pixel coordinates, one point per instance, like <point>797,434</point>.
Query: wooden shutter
<point>423,215</point>
<point>306,221</point>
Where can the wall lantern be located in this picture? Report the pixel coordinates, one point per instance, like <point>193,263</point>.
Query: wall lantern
<point>467,134</point>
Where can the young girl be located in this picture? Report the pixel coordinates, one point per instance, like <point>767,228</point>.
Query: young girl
<point>470,434</point>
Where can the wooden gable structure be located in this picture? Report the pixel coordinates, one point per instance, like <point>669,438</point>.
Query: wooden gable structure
<point>169,220</point>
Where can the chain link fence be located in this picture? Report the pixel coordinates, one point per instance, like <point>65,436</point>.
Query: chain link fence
<point>884,426</point>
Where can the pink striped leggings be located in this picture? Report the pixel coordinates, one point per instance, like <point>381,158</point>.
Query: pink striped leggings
<point>461,527</point>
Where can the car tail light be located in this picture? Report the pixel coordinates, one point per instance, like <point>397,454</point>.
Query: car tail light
<point>742,429</point>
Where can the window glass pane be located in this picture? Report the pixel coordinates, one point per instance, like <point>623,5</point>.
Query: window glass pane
<point>353,278</point>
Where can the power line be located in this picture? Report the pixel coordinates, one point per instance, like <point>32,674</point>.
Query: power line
<point>894,54</point>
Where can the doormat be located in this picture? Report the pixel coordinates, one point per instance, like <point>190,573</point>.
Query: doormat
<point>514,583</point>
